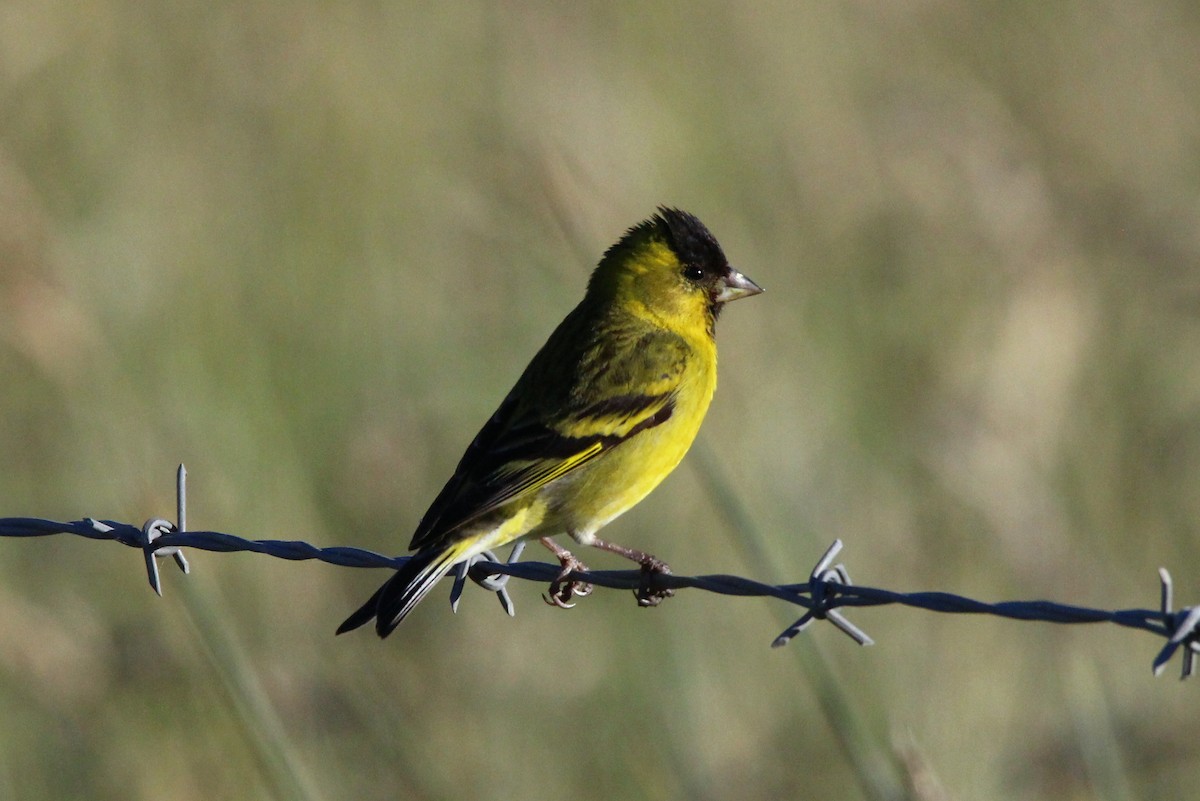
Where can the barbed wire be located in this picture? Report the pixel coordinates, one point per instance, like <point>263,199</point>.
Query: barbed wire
<point>827,590</point>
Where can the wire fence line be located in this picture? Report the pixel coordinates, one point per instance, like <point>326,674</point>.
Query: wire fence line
<point>827,591</point>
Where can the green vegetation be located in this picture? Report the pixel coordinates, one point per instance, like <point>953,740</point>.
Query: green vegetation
<point>306,249</point>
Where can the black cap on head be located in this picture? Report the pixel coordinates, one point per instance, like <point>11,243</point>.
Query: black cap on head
<point>692,242</point>
<point>701,262</point>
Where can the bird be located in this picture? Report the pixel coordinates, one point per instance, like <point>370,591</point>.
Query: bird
<point>606,409</point>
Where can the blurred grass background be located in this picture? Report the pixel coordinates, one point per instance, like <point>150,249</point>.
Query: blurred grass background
<point>306,249</point>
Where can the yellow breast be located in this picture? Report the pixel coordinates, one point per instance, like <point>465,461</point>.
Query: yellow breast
<point>614,483</point>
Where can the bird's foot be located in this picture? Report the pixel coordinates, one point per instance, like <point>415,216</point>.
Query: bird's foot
<point>647,594</point>
<point>562,591</point>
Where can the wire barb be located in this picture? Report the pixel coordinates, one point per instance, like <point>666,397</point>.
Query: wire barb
<point>151,531</point>
<point>1184,630</point>
<point>155,528</point>
<point>827,591</point>
<point>497,583</point>
<point>822,587</point>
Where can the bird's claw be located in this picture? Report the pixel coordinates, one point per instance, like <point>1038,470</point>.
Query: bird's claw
<point>561,590</point>
<point>647,594</point>
<point>558,599</point>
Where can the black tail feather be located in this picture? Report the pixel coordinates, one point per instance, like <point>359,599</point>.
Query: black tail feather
<point>392,602</point>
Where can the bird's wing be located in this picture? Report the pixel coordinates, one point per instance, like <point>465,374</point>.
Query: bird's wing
<point>607,395</point>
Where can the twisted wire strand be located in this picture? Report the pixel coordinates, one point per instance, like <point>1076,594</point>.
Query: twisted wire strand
<point>827,592</point>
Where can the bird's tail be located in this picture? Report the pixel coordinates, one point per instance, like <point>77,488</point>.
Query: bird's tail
<point>392,602</point>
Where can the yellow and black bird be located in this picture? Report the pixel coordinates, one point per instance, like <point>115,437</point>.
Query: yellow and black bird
<point>606,409</point>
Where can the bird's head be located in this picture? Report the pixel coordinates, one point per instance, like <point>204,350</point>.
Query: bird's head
<point>671,266</point>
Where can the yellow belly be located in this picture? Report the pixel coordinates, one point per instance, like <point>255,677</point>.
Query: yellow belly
<point>602,490</point>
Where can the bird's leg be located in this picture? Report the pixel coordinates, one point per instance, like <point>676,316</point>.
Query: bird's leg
<point>646,594</point>
<point>561,590</point>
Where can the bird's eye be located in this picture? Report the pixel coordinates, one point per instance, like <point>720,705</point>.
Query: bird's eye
<point>693,273</point>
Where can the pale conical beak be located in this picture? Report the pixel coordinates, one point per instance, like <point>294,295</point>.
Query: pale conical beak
<point>735,285</point>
